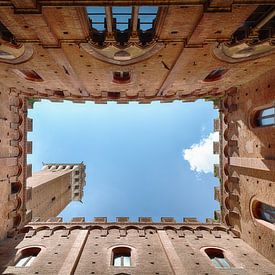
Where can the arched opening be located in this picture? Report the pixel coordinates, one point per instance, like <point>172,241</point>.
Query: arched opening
<point>265,117</point>
<point>121,257</point>
<point>263,211</point>
<point>217,258</point>
<point>27,256</point>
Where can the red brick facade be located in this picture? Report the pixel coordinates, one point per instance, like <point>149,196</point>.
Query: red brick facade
<point>199,50</point>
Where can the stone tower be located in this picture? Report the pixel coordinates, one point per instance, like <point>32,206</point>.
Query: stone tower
<point>50,190</point>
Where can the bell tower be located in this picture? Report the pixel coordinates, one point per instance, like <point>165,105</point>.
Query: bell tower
<point>51,189</point>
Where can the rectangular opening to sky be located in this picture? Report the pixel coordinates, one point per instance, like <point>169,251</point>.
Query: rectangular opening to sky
<point>150,160</point>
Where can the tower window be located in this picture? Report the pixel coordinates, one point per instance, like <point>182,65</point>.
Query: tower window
<point>217,258</point>
<point>53,198</point>
<point>121,257</point>
<point>265,117</point>
<point>264,212</point>
<point>27,257</point>
<point>121,77</point>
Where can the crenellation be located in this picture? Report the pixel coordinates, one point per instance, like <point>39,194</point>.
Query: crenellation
<point>168,219</point>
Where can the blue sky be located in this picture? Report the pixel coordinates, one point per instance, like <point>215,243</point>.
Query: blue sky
<point>141,159</point>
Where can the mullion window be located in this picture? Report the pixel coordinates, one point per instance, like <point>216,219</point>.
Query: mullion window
<point>122,16</point>
<point>97,17</point>
<point>146,16</point>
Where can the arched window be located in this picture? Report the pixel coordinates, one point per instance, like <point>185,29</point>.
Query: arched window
<point>215,75</point>
<point>217,258</point>
<point>265,117</point>
<point>264,212</point>
<point>27,256</point>
<point>30,75</point>
<point>121,257</point>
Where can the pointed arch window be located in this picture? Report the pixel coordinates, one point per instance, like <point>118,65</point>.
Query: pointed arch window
<point>217,258</point>
<point>265,117</point>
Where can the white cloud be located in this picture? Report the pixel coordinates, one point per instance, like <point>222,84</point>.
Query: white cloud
<point>200,156</point>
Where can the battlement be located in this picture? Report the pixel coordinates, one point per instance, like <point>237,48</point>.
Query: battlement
<point>141,220</point>
<point>188,225</point>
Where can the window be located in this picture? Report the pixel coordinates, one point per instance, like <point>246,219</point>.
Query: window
<point>27,257</point>
<point>122,257</point>
<point>217,258</point>
<point>122,17</point>
<point>147,16</point>
<point>121,77</point>
<point>76,172</point>
<point>30,75</point>
<point>264,212</point>
<point>265,117</point>
<point>96,17</point>
<point>122,22</point>
<point>259,15</point>
<point>215,75</point>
